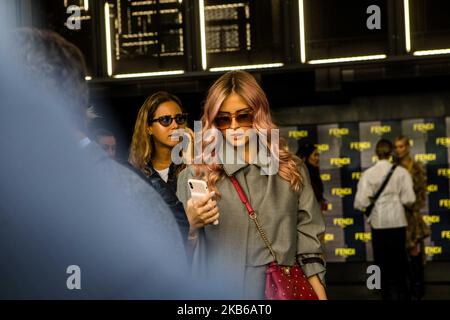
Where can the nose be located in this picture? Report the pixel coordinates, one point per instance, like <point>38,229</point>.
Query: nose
<point>174,125</point>
<point>110,151</point>
<point>234,124</point>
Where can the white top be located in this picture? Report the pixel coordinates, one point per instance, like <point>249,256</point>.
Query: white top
<point>84,142</point>
<point>164,174</point>
<point>388,211</point>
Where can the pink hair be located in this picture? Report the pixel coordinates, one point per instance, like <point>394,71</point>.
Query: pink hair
<point>245,85</point>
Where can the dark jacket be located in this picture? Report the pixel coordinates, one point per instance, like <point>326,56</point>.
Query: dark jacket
<point>168,193</point>
<point>316,182</point>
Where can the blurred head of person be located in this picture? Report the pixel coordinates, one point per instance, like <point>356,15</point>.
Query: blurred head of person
<point>59,68</point>
<point>402,147</point>
<point>308,152</point>
<point>157,121</point>
<point>384,149</point>
<point>106,140</point>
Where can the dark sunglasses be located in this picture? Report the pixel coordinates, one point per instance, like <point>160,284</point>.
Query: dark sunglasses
<point>244,118</point>
<point>166,121</point>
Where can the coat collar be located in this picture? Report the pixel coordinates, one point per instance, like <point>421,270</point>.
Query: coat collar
<point>232,168</point>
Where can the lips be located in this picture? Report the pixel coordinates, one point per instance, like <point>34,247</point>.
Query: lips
<point>236,135</point>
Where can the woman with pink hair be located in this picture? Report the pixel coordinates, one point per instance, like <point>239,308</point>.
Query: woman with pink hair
<point>227,246</point>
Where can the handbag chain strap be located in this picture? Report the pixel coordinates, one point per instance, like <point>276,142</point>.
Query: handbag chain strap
<point>253,215</point>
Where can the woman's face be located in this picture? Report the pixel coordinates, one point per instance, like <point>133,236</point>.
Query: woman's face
<point>313,158</point>
<point>401,149</point>
<point>161,134</point>
<point>236,117</point>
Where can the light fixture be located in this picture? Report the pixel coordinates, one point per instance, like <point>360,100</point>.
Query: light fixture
<point>108,40</point>
<point>246,67</point>
<point>431,52</point>
<point>407,26</point>
<point>86,5</point>
<point>88,78</point>
<point>148,74</point>
<point>349,59</point>
<point>301,14</point>
<point>203,34</point>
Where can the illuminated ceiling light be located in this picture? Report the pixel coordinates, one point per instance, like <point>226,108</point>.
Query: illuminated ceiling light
<point>148,74</point>
<point>407,26</point>
<point>432,52</point>
<point>349,59</point>
<point>301,14</point>
<point>86,5</point>
<point>203,33</point>
<point>254,66</point>
<point>108,41</point>
<point>88,78</point>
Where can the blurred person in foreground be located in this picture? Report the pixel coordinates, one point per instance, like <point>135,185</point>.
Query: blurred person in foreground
<point>417,230</point>
<point>65,204</point>
<point>387,219</point>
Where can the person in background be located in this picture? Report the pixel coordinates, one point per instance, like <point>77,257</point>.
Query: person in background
<point>309,153</point>
<point>159,118</point>
<point>107,141</point>
<point>417,229</point>
<point>387,219</point>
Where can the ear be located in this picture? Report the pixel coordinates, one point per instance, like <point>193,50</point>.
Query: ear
<point>149,130</point>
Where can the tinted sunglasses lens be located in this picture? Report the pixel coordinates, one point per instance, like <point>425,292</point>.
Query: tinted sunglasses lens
<point>223,122</point>
<point>165,121</point>
<point>245,119</point>
<point>181,118</point>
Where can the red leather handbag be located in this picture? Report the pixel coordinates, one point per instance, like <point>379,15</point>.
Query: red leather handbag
<point>282,282</point>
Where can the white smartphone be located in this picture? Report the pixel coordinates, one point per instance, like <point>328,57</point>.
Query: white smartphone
<point>199,188</point>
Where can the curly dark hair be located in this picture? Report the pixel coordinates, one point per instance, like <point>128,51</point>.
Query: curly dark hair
<point>58,66</point>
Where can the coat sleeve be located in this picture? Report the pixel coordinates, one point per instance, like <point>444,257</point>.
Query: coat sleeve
<point>310,228</point>
<point>407,195</point>
<point>363,194</point>
<point>420,186</point>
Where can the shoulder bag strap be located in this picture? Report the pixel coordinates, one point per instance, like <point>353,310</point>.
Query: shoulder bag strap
<point>252,214</point>
<point>384,184</point>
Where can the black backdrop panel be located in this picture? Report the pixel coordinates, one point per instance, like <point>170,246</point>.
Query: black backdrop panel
<point>336,28</point>
<point>147,36</point>
<point>430,24</point>
<point>244,32</point>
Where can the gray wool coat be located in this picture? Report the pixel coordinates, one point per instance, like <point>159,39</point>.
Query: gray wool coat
<point>232,255</point>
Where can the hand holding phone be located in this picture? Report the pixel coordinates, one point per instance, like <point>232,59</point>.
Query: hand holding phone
<point>199,189</point>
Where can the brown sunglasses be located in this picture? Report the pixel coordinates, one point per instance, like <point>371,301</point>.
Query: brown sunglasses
<point>244,118</point>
